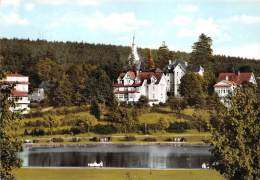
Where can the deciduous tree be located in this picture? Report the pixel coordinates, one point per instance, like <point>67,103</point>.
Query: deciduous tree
<point>191,89</point>
<point>9,144</point>
<point>236,137</point>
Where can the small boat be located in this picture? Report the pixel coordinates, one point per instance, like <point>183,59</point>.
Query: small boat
<point>204,166</point>
<point>95,164</point>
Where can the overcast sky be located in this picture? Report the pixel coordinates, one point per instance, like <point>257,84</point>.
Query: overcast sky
<point>234,25</point>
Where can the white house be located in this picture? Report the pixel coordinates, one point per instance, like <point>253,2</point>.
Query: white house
<point>228,82</point>
<point>174,72</point>
<point>134,83</point>
<point>198,69</point>
<point>37,95</point>
<point>20,92</point>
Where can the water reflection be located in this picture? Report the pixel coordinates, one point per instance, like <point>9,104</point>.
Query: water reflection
<point>145,156</point>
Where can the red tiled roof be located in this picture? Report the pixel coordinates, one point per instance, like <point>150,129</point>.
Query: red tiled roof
<point>125,92</point>
<point>144,75</point>
<point>237,78</point>
<point>19,94</point>
<point>15,75</point>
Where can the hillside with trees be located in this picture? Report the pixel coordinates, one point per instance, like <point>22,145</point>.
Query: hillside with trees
<point>73,68</point>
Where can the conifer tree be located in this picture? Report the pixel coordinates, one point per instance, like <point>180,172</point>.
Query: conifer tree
<point>95,109</point>
<point>202,51</point>
<point>163,55</point>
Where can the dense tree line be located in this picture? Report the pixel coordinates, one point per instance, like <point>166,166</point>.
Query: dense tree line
<point>75,73</point>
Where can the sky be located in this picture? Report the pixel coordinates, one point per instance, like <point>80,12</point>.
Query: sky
<point>233,25</point>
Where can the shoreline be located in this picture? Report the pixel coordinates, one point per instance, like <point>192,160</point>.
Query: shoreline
<point>114,168</point>
<point>85,144</point>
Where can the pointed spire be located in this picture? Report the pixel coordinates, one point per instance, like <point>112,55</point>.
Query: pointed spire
<point>133,58</point>
<point>133,43</point>
<point>150,60</point>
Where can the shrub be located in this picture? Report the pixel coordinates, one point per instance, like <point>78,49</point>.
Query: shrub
<point>26,133</point>
<point>105,129</point>
<point>75,139</point>
<point>180,126</point>
<point>37,132</point>
<point>58,139</point>
<point>130,138</point>
<point>35,140</point>
<point>61,131</point>
<point>95,139</point>
<point>75,130</point>
<point>150,139</point>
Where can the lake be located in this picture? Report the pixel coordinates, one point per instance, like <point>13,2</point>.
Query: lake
<point>118,155</point>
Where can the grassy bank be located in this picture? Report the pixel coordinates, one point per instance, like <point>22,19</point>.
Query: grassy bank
<point>115,174</point>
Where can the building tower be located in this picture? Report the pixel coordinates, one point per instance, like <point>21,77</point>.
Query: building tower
<point>133,58</point>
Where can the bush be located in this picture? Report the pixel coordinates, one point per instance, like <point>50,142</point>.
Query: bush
<point>58,139</point>
<point>105,129</point>
<point>35,140</point>
<point>180,126</point>
<point>37,132</point>
<point>75,130</point>
<point>61,131</point>
<point>130,138</point>
<point>26,132</point>
<point>36,123</point>
<point>75,139</point>
<point>94,139</point>
<point>150,139</point>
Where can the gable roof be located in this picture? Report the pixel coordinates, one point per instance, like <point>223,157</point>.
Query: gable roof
<point>238,78</point>
<point>195,67</point>
<point>143,75</point>
<point>171,66</point>
<point>225,83</point>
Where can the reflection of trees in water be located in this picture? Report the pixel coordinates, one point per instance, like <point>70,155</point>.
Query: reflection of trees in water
<point>162,158</point>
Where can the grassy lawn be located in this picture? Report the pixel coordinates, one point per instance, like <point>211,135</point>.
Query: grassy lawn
<point>154,117</point>
<point>192,136</point>
<point>115,174</point>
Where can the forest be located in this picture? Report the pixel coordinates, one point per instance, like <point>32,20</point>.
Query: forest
<point>70,70</point>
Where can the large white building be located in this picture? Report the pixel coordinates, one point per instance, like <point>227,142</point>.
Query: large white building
<point>19,92</point>
<point>152,83</point>
<point>134,83</point>
<point>228,82</point>
<point>175,71</point>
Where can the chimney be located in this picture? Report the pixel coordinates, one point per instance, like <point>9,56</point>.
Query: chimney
<point>226,77</point>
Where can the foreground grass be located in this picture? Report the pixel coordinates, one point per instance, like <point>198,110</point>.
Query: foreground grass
<point>115,174</point>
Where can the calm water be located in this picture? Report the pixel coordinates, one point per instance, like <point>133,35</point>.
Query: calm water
<point>143,156</point>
